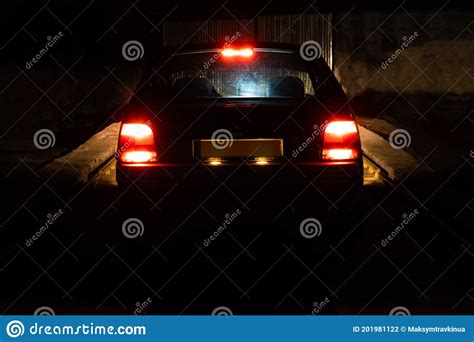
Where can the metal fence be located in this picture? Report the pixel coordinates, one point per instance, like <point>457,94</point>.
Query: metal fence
<point>268,28</point>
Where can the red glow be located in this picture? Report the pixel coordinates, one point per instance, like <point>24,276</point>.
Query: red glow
<point>339,153</point>
<point>341,127</point>
<point>136,144</point>
<point>341,141</point>
<point>138,157</point>
<point>136,130</point>
<point>230,52</point>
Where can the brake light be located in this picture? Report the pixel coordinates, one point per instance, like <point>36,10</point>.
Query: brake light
<point>339,128</point>
<point>136,144</point>
<point>229,52</point>
<point>341,141</point>
<point>339,153</point>
<point>138,156</point>
<point>136,130</point>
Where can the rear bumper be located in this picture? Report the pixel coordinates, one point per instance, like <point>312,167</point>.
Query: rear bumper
<point>282,194</point>
<point>161,176</point>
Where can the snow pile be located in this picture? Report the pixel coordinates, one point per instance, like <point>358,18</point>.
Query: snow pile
<point>76,167</point>
<point>397,163</point>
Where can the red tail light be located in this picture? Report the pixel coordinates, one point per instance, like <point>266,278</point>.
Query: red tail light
<point>341,141</point>
<point>245,52</point>
<point>136,144</point>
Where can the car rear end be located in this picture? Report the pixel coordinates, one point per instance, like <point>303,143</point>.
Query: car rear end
<point>254,121</point>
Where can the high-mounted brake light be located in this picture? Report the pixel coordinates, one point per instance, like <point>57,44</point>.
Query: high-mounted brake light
<point>230,52</point>
<point>136,144</point>
<point>341,141</point>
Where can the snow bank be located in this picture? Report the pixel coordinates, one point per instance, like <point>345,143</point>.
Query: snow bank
<point>76,167</point>
<point>397,163</point>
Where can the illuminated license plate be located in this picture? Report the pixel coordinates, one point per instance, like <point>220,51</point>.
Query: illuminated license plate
<point>238,148</point>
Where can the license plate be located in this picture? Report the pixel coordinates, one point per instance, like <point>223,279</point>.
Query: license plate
<point>238,148</point>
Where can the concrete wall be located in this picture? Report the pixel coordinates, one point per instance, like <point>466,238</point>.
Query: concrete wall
<point>391,57</point>
<point>361,60</point>
<point>49,98</point>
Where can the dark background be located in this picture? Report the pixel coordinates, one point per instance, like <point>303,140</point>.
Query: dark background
<point>78,86</point>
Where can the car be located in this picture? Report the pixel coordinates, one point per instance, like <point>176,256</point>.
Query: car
<point>247,116</point>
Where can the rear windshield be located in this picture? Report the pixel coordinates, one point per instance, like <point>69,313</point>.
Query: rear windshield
<point>262,75</point>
